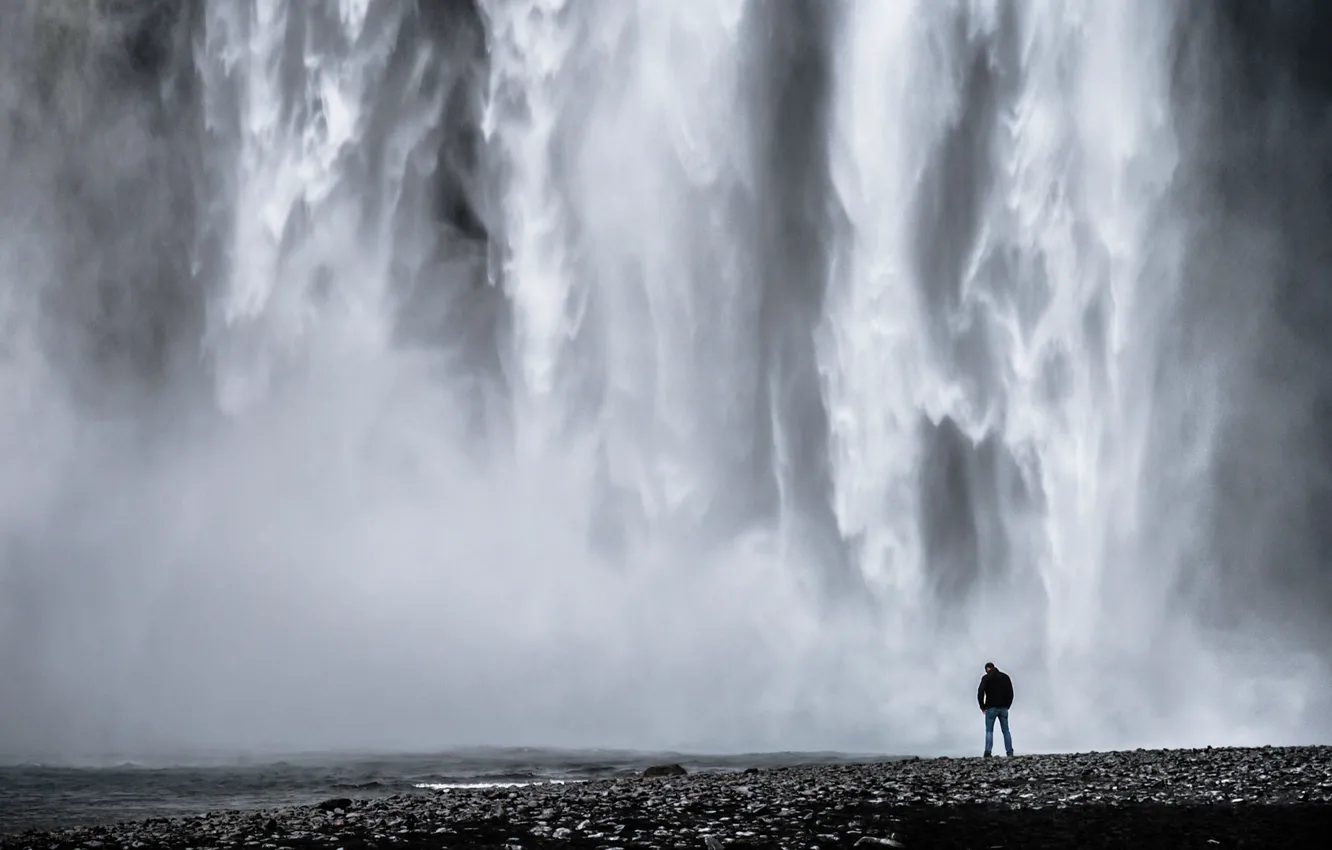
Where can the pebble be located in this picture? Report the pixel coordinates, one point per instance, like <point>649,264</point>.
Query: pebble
<point>1206,798</point>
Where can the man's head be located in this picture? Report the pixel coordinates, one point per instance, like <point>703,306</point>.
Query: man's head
<point>989,665</point>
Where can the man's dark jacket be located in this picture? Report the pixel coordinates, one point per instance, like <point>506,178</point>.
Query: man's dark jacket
<point>996,690</point>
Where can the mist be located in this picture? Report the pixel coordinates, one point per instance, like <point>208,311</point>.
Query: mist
<point>706,375</point>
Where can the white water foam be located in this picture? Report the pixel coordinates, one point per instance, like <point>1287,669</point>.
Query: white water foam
<point>452,786</point>
<point>650,536</point>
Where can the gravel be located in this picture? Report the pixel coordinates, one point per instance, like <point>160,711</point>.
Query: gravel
<point>1177,798</point>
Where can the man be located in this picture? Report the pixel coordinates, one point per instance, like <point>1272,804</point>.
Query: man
<point>995,696</point>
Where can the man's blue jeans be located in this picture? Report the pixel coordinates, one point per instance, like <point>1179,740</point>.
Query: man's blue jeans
<point>990,715</point>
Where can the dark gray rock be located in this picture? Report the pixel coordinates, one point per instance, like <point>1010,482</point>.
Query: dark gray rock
<point>664,770</point>
<point>1187,798</point>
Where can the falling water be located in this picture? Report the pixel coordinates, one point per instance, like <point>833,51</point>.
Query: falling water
<point>713,374</point>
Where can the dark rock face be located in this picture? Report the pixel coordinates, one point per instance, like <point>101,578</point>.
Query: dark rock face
<point>1189,798</point>
<point>664,770</point>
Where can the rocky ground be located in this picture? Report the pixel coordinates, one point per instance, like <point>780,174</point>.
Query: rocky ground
<point>1270,797</point>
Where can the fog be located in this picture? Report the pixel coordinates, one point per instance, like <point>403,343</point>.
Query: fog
<point>703,375</point>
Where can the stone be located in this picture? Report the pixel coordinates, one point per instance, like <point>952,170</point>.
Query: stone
<point>1149,798</point>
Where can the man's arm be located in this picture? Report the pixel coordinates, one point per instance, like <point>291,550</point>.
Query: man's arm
<point>980,694</point>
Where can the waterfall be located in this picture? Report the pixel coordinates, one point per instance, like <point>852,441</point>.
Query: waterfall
<point>712,374</point>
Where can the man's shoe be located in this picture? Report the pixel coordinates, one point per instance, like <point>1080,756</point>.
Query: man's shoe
<point>987,755</point>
